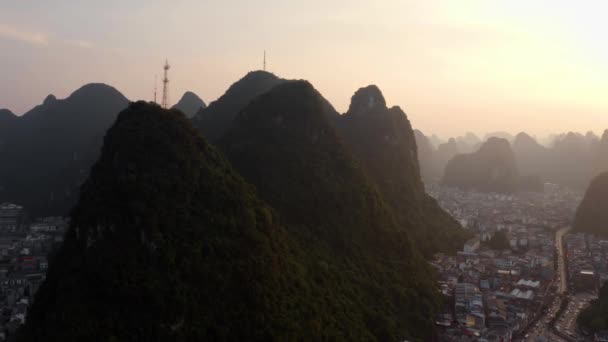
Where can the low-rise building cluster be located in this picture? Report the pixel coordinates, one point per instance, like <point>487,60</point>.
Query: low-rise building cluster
<point>496,290</point>
<point>24,249</point>
<point>587,261</point>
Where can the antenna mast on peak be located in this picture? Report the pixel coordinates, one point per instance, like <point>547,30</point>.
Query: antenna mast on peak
<point>155,77</point>
<point>165,101</point>
<point>264,60</point>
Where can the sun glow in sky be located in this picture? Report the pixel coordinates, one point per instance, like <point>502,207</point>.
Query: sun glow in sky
<point>454,66</point>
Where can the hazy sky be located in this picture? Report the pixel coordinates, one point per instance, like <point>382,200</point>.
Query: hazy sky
<point>534,65</point>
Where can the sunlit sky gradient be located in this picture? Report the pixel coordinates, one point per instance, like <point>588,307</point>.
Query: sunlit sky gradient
<point>453,66</point>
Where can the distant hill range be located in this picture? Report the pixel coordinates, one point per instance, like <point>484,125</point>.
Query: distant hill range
<point>492,168</point>
<point>571,160</point>
<point>47,152</point>
<point>592,213</point>
<point>190,104</point>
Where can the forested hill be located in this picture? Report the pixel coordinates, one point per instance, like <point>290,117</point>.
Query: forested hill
<point>168,243</point>
<point>383,142</point>
<point>284,144</point>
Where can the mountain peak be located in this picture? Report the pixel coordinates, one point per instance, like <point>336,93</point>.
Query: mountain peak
<point>190,104</point>
<point>367,98</point>
<point>294,104</point>
<point>6,113</point>
<point>49,100</point>
<point>214,120</point>
<point>90,90</point>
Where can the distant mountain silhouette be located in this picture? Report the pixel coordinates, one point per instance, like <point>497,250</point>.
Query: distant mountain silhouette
<point>468,143</point>
<point>591,138</point>
<point>46,154</point>
<point>284,142</point>
<point>435,140</point>
<point>592,213</point>
<point>571,161</point>
<point>445,153</point>
<point>492,168</point>
<point>532,157</point>
<point>600,163</point>
<point>214,120</point>
<point>426,158</point>
<point>168,243</point>
<point>499,134</point>
<point>383,141</point>
<point>190,104</point>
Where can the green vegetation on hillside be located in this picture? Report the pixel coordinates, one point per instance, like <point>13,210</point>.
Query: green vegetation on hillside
<point>168,243</point>
<point>284,144</point>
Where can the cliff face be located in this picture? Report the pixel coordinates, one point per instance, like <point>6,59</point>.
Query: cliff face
<point>382,141</point>
<point>492,168</point>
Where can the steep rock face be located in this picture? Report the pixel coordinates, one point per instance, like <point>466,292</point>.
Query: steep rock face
<point>383,141</point>
<point>48,151</point>
<point>214,120</point>
<point>190,104</point>
<point>592,213</point>
<point>492,168</point>
<point>168,243</point>
<point>283,143</point>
